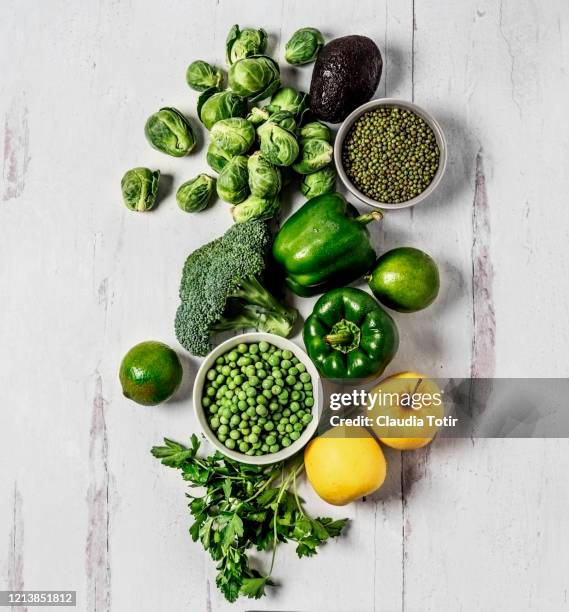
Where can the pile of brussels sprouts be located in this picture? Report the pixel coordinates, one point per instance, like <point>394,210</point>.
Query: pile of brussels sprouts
<point>253,148</point>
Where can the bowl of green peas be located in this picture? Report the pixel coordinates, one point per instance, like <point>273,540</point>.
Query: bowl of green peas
<point>258,398</point>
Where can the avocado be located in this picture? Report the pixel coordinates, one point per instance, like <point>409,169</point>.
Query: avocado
<point>346,75</point>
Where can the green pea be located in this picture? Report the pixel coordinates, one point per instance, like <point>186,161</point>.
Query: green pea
<point>234,420</point>
<point>301,367</point>
<point>287,354</point>
<point>295,435</point>
<point>293,371</point>
<point>235,434</point>
<point>251,411</point>
<point>253,349</point>
<point>274,360</point>
<point>309,401</point>
<point>214,423</point>
<point>263,346</point>
<point>230,443</point>
<point>211,375</point>
<point>274,448</point>
<point>233,356</point>
<point>285,441</point>
<point>243,446</point>
<point>269,426</point>
<point>253,438</point>
<point>223,430</point>
<point>305,377</point>
<point>286,364</point>
<point>256,429</point>
<point>276,390</point>
<point>289,428</point>
<point>290,380</point>
<point>251,392</point>
<point>261,411</point>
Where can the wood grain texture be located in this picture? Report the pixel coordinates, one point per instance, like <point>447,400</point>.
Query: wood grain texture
<point>459,526</point>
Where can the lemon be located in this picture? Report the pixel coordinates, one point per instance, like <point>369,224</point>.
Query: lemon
<point>345,465</point>
<point>408,399</point>
<point>150,373</point>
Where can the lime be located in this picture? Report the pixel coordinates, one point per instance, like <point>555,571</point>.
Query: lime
<point>150,373</point>
<point>405,279</point>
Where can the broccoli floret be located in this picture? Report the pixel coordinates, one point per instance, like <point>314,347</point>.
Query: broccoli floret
<point>222,289</point>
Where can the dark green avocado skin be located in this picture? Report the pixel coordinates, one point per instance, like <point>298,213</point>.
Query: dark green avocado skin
<point>346,75</point>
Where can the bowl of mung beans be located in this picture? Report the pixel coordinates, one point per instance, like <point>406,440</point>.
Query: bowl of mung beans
<point>258,398</point>
<point>390,153</point>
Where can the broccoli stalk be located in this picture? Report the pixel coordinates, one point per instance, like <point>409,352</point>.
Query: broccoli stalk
<point>222,290</point>
<point>254,307</point>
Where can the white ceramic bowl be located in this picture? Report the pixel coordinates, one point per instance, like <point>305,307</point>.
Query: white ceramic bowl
<point>390,102</point>
<point>281,343</point>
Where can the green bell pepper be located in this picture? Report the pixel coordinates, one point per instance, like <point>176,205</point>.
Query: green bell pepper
<point>349,335</point>
<point>325,244</point>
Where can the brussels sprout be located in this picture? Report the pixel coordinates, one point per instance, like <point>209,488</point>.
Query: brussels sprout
<point>216,158</point>
<point>258,115</point>
<point>314,155</point>
<point>278,145</point>
<point>288,99</point>
<point>244,43</point>
<point>194,195</point>
<point>264,178</point>
<point>304,46</point>
<point>232,185</point>
<point>285,119</point>
<point>170,132</point>
<point>319,182</point>
<point>215,105</point>
<point>255,208</point>
<point>139,188</point>
<point>201,76</point>
<point>233,136</point>
<point>255,77</point>
<point>316,129</point>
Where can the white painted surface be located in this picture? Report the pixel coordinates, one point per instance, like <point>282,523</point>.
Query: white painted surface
<point>461,526</point>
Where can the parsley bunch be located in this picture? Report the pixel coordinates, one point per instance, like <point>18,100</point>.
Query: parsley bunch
<point>245,506</point>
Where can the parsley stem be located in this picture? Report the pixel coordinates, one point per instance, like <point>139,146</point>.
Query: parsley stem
<point>284,487</point>
<point>298,504</point>
<point>265,485</point>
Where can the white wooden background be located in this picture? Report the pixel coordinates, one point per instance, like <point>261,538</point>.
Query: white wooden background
<point>464,525</point>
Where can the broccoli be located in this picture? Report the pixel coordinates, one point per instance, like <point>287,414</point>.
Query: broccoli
<point>221,289</point>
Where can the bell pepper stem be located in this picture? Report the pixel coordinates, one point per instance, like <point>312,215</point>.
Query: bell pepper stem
<point>343,337</point>
<point>376,215</point>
